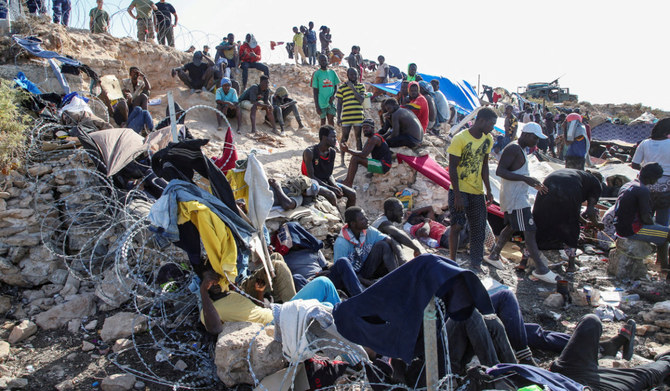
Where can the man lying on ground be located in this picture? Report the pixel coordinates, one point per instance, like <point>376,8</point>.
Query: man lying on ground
<point>318,162</point>
<point>406,130</point>
<point>379,161</point>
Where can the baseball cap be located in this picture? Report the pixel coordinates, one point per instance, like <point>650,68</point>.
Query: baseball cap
<point>534,128</point>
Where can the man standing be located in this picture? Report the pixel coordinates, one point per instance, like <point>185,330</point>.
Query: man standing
<point>324,86</point>
<point>577,141</point>
<point>371,253</point>
<point>164,25</point>
<point>99,22</point>
<point>350,113</point>
<point>379,161</point>
<point>227,103</point>
<point>145,23</point>
<point>61,10</point>
<point>468,170</point>
<point>318,162</point>
<point>310,39</point>
<point>297,46</point>
<point>405,128</point>
<point>258,96</point>
<point>515,174</point>
<point>381,76</point>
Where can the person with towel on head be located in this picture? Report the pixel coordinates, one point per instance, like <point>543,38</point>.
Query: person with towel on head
<point>283,105</point>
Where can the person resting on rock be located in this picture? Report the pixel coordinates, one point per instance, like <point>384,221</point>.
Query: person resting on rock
<point>220,304</point>
<point>318,162</point>
<point>227,102</point>
<point>289,195</point>
<point>258,97</point>
<point>197,74</point>
<point>131,110</point>
<point>283,106</point>
<point>379,160</point>
<point>406,130</point>
<point>389,222</point>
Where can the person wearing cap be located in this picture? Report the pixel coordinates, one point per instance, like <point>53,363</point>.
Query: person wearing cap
<point>145,23</point>
<point>350,96</point>
<point>164,26</point>
<point>577,142</point>
<point>515,177</point>
<point>227,103</point>
<point>197,74</point>
<point>379,160</point>
<point>205,51</point>
<point>283,105</point>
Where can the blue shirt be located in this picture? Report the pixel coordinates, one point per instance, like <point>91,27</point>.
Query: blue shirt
<point>231,96</point>
<point>310,36</point>
<point>357,254</point>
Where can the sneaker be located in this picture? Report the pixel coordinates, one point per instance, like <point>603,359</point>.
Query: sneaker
<point>628,332</point>
<point>496,263</point>
<point>549,277</point>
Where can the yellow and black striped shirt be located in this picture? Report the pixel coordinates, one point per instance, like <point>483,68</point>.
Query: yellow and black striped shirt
<point>352,110</point>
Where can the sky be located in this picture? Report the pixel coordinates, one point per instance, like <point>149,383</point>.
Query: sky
<point>604,51</point>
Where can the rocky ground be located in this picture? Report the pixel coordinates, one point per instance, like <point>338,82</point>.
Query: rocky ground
<point>68,319</point>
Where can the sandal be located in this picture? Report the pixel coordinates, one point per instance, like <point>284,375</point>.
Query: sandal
<point>628,332</point>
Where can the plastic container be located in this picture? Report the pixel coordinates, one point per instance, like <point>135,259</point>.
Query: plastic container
<point>630,298</point>
<point>430,242</point>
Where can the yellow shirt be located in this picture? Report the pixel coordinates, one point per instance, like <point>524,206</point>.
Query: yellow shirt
<point>237,308</point>
<point>472,152</point>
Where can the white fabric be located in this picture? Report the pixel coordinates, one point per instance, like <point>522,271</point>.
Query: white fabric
<point>159,139</point>
<point>654,151</point>
<point>514,194</point>
<point>118,147</point>
<point>383,70</point>
<point>260,195</point>
<point>75,105</point>
<point>442,105</point>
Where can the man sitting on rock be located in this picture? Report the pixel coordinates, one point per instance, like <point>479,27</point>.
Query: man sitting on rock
<point>406,130</point>
<point>197,74</point>
<point>228,103</point>
<point>386,223</point>
<point>379,161</point>
<point>250,57</point>
<point>418,104</point>
<point>633,209</point>
<point>131,110</point>
<point>255,97</point>
<point>371,253</point>
<point>283,106</point>
<point>318,162</point>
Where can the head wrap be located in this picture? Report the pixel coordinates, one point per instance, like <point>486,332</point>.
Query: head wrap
<point>252,41</point>
<point>225,80</point>
<point>281,91</point>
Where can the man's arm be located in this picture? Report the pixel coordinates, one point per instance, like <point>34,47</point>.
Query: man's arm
<point>339,110</point>
<point>316,100</point>
<point>358,96</point>
<point>400,236</point>
<point>212,319</point>
<point>370,144</point>
<point>509,155</point>
<point>397,250</point>
<point>130,11</point>
<point>90,24</point>
<point>485,178</point>
<point>307,157</point>
<point>644,208</point>
<point>176,19</point>
<point>395,126</point>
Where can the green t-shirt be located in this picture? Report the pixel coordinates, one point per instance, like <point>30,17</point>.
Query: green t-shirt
<point>472,152</point>
<point>143,8</point>
<point>325,82</point>
<point>100,20</point>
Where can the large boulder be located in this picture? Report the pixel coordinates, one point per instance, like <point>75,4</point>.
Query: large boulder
<point>75,308</point>
<point>121,325</point>
<point>231,353</point>
<point>626,261</point>
<point>114,290</point>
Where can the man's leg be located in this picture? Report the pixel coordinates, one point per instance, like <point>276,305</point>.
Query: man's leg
<point>261,67</point>
<point>328,194</point>
<point>296,114</point>
<point>379,262</point>
<point>357,134</point>
<point>66,6</point>
<point>343,277</point>
<point>170,36</point>
<point>503,238</point>
<point>56,11</point>
<point>662,217</point>
<point>252,115</point>
<point>481,341</point>
<point>538,338</point>
<point>353,167</point>
<point>349,194</point>
<point>281,199</point>
<point>142,101</point>
<point>141,29</point>
<point>346,129</point>
<point>219,118</point>
<point>507,308</point>
<point>579,359</point>
<point>271,118</point>
<point>321,289</point>
<point>161,34</point>
<point>501,344</point>
<point>279,115</point>
<point>458,221</point>
<point>531,244</point>
<point>331,119</point>
<point>185,78</point>
<point>245,74</point>
<point>475,210</point>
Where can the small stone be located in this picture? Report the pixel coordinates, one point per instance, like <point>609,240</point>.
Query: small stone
<point>5,304</point>
<point>122,344</point>
<point>22,331</point>
<point>122,324</point>
<point>4,195</point>
<point>118,382</point>
<point>664,323</point>
<point>71,356</point>
<point>73,326</point>
<point>555,300</point>
<point>4,351</point>
<point>13,383</point>
<point>91,325</point>
<point>139,385</point>
<point>663,307</point>
<point>65,385</point>
<point>180,366</point>
<point>87,346</point>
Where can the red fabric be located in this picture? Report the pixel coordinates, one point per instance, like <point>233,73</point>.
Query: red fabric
<point>229,154</point>
<point>245,53</point>
<point>496,97</point>
<point>419,107</point>
<point>436,230</point>
<point>438,174</point>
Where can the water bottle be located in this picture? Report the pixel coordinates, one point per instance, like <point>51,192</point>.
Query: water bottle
<point>630,298</point>
<point>430,242</point>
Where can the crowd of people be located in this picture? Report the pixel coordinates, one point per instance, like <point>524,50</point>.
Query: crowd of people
<point>369,258</point>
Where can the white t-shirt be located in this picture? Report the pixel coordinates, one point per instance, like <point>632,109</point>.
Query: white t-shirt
<point>654,151</point>
<point>383,70</point>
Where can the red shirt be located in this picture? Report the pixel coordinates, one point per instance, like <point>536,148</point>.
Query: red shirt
<point>246,50</point>
<point>436,230</point>
<point>419,107</point>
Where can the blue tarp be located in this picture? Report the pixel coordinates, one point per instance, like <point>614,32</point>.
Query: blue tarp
<point>459,94</point>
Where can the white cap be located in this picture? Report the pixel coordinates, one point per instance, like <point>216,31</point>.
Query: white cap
<point>534,128</point>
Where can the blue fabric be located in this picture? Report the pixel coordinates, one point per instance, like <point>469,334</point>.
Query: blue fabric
<point>138,119</point>
<point>577,148</point>
<point>304,262</point>
<point>22,81</point>
<point>344,277</point>
<point>555,381</point>
<point>395,72</point>
<point>68,97</point>
<point>299,281</point>
<point>388,316</point>
<point>59,76</point>
<point>301,237</point>
<point>32,45</point>
<point>538,338</point>
<point>61,11</point>
<point>321,289</point>
<point>165,212</point>
<point>357,254</point>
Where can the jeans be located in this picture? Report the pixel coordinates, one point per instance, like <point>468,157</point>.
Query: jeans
<point>380,262</point>
<point>281,115</point>
<point>579,361</point>
<point>256,65</point>
<point>61,10</point>
<point>321,289</point>
<point>138,119</point>
<point>311,53</point>
<point>481,336</point>
<point>343,277</point>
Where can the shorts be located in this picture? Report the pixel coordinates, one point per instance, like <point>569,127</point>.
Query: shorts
<point>227,110</point>
<point>352,124</point>
<point>655,233</point>
<point>521,220</point>
<point>377,166</point>
<point>246,105</point>
<point>328,110</point>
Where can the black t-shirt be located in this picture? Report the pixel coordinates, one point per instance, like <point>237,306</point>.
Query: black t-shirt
<point>254,94</point>
<point>164,13</point>
<point>196,72</point>
<point>634,201</point>
<point>323,165</point>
